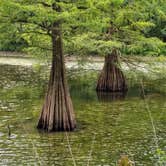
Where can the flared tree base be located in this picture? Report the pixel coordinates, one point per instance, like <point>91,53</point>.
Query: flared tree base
<point>111,78</point>
<point>57,112</point>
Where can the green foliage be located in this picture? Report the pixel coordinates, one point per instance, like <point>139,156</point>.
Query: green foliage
<point>162,155</point>
<point>146,46</point>
<point>10,40</point>
<point>90,27</point>
<point>142,25</point>
<point>84,44</point>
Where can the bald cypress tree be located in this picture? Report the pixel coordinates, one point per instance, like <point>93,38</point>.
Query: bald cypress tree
<point>57,112</point>
<point>45,18</point>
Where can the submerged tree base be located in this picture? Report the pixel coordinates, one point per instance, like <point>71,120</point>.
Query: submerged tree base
<point>57,112</point>
<point>112,78</point>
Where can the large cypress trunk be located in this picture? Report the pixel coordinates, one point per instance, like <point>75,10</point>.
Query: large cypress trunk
<point>57,112</point>
<point>111,78</point>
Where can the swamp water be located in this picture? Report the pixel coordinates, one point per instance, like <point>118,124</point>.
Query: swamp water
<point>108,125</point>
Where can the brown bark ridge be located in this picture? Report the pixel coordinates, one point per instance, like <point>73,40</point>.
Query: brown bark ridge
<point>111,78</point>
<point>57,112</point>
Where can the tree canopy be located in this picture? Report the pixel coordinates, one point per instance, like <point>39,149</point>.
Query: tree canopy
<point>90,27</point>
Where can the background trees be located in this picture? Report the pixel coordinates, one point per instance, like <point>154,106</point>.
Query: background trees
<point>92,27</point>
<point>135,27</point>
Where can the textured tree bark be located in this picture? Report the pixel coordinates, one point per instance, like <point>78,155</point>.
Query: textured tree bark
<point>57,112</point>
<point>111,78</point>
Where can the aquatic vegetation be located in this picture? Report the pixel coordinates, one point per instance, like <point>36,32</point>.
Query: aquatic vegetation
<point>162,157</point>
<point>121,125</point>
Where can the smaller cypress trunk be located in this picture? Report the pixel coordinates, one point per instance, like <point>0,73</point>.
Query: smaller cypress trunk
<point>111,78</point>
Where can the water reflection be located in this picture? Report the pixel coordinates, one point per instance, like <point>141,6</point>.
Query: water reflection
<point>110,96</point>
